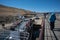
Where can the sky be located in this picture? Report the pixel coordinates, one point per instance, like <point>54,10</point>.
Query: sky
<point>34,5</point>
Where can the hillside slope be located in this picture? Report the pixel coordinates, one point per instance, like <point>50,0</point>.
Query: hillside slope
<point>5,10</point>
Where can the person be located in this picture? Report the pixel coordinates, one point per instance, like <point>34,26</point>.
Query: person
<point>52,21</point>
<point>44,15</point>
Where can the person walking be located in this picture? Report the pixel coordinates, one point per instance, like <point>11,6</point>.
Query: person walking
<point>52,21</point>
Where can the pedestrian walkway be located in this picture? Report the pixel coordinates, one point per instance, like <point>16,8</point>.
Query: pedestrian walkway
<point>50,35</point>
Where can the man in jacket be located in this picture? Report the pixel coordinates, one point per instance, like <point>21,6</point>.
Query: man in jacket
<point>52,21</point>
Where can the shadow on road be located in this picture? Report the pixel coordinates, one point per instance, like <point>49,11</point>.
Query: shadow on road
<point>55,35</point>
<point>56,29</point>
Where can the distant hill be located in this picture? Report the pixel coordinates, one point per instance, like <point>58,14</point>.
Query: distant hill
<point>5,11</point>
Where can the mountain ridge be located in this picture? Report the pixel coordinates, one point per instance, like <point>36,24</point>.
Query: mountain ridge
<point>6,10</point>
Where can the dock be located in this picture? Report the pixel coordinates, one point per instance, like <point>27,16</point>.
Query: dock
<point>52,35</point>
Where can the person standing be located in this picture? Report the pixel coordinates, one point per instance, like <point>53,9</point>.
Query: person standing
<point>52,21</point>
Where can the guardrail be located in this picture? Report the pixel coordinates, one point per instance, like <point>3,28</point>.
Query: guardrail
<point>41,35</point>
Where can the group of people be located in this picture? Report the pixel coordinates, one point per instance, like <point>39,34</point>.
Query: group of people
<point>52,19</point>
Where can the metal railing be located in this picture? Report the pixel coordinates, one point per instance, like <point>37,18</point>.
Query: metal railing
<point>41,35</point>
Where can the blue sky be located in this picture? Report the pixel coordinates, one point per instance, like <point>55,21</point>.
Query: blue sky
<point>34,5</point>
